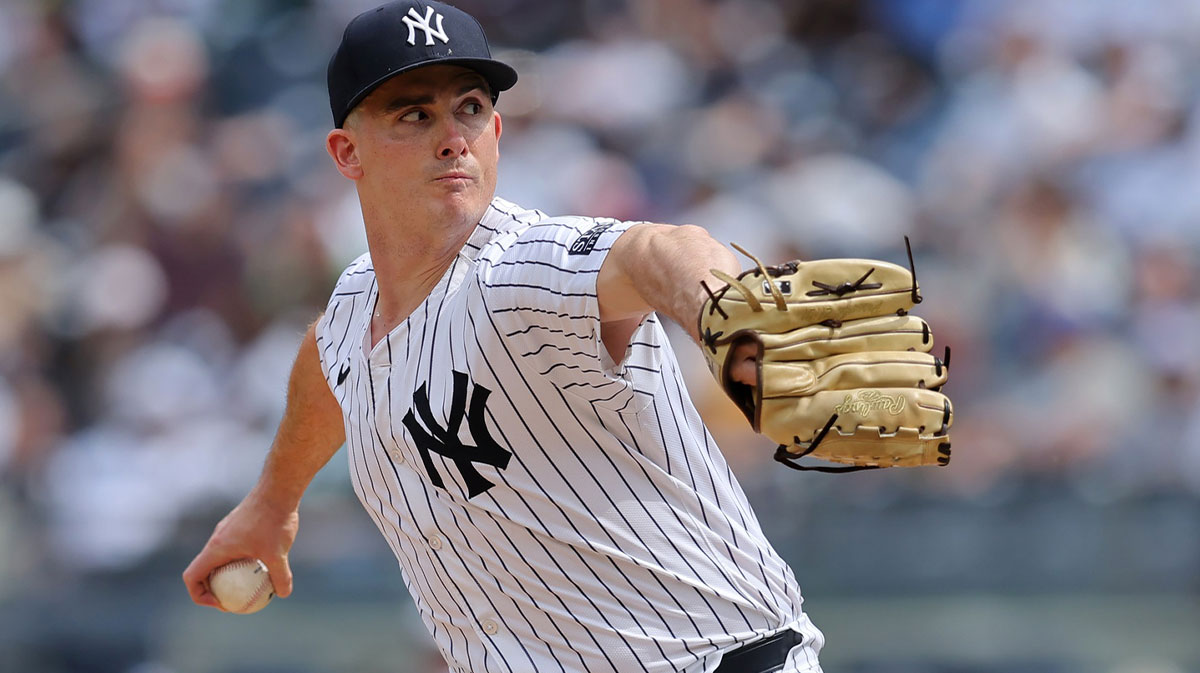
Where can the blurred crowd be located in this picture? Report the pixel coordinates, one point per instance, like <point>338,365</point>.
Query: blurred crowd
<point>170,223</point>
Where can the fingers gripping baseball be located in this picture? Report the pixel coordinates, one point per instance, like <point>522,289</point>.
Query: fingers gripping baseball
<point>252,530</point>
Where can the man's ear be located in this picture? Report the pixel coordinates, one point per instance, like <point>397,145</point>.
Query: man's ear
<point>342,148</point>
<point>499,124</point>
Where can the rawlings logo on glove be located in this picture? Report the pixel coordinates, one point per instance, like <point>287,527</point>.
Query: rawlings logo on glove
<point>845,374</point>
<point>864,402</point>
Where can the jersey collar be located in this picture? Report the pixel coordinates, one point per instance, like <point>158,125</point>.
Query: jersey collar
<point>500,218</point>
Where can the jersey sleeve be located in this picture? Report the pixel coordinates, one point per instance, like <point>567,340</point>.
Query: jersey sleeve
<point>342,320</point>
<point>541,292</point>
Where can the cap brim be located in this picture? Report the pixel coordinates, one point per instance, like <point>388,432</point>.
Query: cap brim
<point>499,76</point>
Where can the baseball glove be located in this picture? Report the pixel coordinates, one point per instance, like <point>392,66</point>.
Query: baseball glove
<point>845,374</point>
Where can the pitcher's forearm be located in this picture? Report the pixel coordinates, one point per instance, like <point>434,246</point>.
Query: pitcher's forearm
<point>659,267</point>
<point>309,434</point>
<point>290,468</point>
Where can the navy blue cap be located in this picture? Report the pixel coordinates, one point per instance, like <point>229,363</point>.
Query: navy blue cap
<point>397,37</point>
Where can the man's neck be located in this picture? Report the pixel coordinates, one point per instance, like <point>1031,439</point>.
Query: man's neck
<point>409,260</point>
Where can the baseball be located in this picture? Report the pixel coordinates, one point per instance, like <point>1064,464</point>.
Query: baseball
<point>242,587</point>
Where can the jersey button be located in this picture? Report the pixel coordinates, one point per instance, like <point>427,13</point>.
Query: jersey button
<point>397,456</point>
<point>490,627</point>
<point>435,542</point>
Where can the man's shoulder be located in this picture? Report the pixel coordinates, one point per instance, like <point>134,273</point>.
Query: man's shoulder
<point>361,268</point>
<point>503,211</point>
<point>530,225</point>
<point>347,305</point>
<point>355,280</point>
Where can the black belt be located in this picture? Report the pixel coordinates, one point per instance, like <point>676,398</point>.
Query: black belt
<point>761,656</point>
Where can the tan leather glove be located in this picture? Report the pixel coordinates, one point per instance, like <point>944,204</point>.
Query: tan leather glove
<point>845,374</point>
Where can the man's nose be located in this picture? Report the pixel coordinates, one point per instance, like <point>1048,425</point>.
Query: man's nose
<point>453,143</point>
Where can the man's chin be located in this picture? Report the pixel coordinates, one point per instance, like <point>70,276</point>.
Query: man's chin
<point>466,207</point>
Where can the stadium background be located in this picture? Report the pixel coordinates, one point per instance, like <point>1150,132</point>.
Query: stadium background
<point>169,222</point>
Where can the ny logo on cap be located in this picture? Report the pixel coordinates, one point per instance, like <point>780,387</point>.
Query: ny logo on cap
<point>415,21</point>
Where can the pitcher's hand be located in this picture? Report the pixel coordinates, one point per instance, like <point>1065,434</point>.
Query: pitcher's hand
<point>253,529</point>
<point>745,364</point>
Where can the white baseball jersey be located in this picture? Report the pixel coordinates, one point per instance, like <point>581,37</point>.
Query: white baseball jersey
<point>551,510</point>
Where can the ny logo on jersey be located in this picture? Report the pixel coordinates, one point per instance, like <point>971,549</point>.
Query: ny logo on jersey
<point>415,21</point>
<point>445,441</point>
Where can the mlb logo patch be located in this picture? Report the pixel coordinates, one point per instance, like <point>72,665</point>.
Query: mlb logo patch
<point>587,241</point>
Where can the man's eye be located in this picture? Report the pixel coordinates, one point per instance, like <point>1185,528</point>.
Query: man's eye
<point>473,108</point>
<point>412,116</point>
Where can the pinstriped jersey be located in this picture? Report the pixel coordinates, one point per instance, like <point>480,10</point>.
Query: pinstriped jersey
<point>551,510</point>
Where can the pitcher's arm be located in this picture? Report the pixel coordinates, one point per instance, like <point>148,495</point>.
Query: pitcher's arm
<point>264,524</point>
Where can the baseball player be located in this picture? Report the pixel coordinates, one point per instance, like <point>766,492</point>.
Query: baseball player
<point>516,421</point>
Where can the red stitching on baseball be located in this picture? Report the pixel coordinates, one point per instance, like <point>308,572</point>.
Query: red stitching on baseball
<point>261,585</point>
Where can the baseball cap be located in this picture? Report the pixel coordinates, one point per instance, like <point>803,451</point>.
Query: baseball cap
<point>399,36</point>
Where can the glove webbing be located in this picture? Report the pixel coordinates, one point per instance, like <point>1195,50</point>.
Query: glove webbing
<point>780,302</point>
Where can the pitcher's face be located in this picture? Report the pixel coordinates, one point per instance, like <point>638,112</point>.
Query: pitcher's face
<point>429,138</point>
